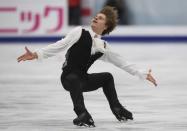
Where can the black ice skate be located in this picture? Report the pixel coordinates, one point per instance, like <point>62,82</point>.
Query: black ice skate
<point>121,113</point>
<point>84,119</point>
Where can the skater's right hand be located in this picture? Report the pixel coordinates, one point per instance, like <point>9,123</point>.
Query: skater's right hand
<point>27,56</point>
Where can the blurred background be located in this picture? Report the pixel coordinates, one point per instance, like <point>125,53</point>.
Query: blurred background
<point>132,12</point>
<point>49,20</point>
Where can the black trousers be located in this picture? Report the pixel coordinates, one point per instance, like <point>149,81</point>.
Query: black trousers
<point>77,84</point>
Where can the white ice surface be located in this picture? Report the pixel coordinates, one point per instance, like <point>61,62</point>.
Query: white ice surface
<point>32,98</point>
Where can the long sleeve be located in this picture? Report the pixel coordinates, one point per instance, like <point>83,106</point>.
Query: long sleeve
<point>119,61</point>
<point>52,49</point>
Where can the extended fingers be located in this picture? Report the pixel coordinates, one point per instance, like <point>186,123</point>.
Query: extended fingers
<point>150,78</point>
<point>20,58</point>
<point>154,81</point>
<point>27,49</point>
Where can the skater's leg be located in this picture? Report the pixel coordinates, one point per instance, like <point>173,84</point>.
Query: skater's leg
<point>106,81</point>
<point>73,83</point>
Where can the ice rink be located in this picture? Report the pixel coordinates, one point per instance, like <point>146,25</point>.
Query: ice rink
<point>32,98</point>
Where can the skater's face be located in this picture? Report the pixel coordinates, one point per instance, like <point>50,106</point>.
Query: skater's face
<point>99,23</point>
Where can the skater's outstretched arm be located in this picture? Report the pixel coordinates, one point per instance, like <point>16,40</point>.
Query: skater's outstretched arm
<point>119,61</point>
<point>54,48</point>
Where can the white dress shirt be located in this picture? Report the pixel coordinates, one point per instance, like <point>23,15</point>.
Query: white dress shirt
<point>97,46</point>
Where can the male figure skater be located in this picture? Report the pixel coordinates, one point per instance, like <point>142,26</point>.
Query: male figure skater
<point>84,47</point>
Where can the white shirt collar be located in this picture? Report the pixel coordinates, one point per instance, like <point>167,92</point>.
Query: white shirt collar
<point>93,34</point>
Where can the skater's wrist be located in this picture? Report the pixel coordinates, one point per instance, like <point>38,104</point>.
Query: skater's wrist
<point>35,55</point>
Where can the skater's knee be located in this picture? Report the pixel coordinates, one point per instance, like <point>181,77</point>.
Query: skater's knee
<point>66,85</point>
<point>69,80</point>
<point>109,76</point>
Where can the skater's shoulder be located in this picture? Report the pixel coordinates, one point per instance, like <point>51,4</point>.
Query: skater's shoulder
<point>75,30</point>
<point>80,29</point>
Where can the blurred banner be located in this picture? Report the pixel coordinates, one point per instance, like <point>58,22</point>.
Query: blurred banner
<point>157,12</point>
<point>32,18</point>
<point>50,20</point>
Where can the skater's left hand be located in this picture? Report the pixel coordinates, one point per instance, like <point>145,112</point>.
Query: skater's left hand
<point>150,78</point>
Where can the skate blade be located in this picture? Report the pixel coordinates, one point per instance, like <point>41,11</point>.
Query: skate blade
<point>124,119</point>
<point>85,125</point>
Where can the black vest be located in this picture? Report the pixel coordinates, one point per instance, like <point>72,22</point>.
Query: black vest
<point>78,56</point>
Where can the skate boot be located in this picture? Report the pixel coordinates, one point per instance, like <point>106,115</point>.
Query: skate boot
<point>84,119</point>
<point>121,113</point>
